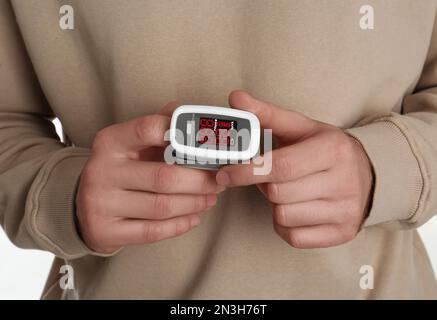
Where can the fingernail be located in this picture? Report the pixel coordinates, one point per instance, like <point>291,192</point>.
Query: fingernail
<point>211,200</point>
<point>223,178</point>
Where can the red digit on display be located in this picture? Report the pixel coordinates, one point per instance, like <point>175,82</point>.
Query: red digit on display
<point>206,123</point>
<point>219,136</point>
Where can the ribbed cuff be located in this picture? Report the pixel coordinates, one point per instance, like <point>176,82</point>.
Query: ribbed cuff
<point>51,203</point>
<point>398,180</point>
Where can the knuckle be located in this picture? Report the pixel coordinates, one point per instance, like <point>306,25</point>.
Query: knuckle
<point>93,230</point>
<point>178,227</point>
<point>295,240</point>
<point>91,202</point>
<point>86,200</point>
<point>348,211</point>
<point>264,113</point>
<point>348,233</point>
<point>102,139</point>
<point>91,174</point>
<point>152,232</point>
<point>282,166</point>
<point>92,219</point>
<point>354,210</point>
<point>162,206</point>
<point>149,128</point>
<point>277,229</point>
<point>164,178</point>
<point>273,192</point>
<point>280,215</point>
<point>200,203</point>
<point>343,146</point>
<point>181,226</point>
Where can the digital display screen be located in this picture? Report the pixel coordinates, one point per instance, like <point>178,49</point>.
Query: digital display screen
<point>216,131</point>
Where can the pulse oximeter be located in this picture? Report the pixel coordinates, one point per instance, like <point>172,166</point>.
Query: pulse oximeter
<point>209,137</point>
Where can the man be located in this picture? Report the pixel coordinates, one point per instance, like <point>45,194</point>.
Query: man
<point>353,111</point>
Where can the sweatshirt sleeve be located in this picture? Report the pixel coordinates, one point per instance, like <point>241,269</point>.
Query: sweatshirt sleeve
<point>402,148</point>
<point>38,174</point>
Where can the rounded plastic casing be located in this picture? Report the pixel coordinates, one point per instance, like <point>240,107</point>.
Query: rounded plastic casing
<point>212,153</point>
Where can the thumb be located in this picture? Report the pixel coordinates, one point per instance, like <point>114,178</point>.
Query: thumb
<point>284,123</point>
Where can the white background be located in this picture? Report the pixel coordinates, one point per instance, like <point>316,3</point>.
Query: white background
<point>23,272</point>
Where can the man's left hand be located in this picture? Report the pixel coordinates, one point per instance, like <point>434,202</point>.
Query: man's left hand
<point>321,178</point>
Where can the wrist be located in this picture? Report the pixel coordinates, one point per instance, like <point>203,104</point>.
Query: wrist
<point>368,175</point>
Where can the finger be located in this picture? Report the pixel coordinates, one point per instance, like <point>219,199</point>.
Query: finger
<point>321,236</point>
<point>322,185</point>
<point>284,123</point>
<point>307,214</point>
<point>160,177</point>
<point>152,154</point>
<point>135,134</point>
<point>134,231</point>
<point>288,163</point>
<point>155,206</point>
<point>168,109</point>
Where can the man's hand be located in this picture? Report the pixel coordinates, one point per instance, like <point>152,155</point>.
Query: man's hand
<point>127,195</point>
<point>320,182</point>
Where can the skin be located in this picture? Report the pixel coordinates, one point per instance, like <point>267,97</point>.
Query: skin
<point>321,178</point>
<point>319,186</point>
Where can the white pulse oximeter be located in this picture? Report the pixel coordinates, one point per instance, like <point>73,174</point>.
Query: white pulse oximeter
<point>209,137</point>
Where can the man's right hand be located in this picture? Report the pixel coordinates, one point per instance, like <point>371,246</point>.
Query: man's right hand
<point>127,197</point>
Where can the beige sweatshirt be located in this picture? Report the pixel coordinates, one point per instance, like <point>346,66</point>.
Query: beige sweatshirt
<point>128,58</point>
